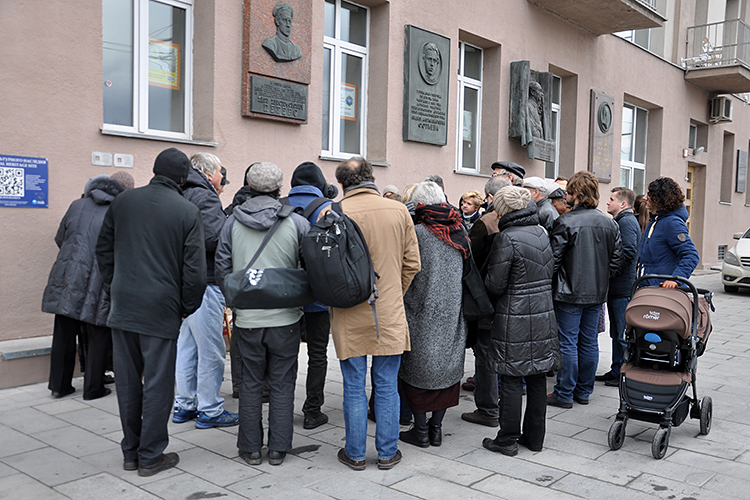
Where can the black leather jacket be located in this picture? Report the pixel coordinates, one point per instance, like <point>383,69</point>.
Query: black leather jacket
<point>587,251</point>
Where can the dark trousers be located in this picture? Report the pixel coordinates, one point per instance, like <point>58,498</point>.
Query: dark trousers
<point>318,326</point>
<point>99,342</point>
<point>144,369</point>
<point>63,353</point>
<point>534,416</point>
<point>235,362</point>
<point>485,380</point>
<point>267,353</point>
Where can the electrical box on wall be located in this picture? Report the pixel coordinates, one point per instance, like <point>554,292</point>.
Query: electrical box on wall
<point>721,109</point>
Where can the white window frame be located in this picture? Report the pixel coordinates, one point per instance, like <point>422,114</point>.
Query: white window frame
<point>339,47</point>
<point>629,35</point>
<point>467,82</point>
<point>555,117</point>
<point>631,164</point>
<point>140,73</point>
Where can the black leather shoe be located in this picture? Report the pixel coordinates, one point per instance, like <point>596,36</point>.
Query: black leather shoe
<point>314,421</point>
<point>553,401</point>
<point>251,457</point>
<point>612,383</point>
<point>607,376</point>
<point>416,436</point>
<point>129,464</point>
<point>166,461</point>
<point>109,379</point>
<point>435,433</point>
<point>511,449</point>
<point>580,401</point>
<point>477,418</point>
<point>276,457</point>
<point>63,393</point>
<point>107,392</point>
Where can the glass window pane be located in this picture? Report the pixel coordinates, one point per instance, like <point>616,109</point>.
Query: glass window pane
<point>550,172</point>
<point>627,133</point>
<point>327,91</point>
<point>693,137</point>
<point>639,181</point>
<point>330,18</point>
<point>351,103</point>
<point>472,62</point>
<point>166,68</point>
<point>641,127</point>
<point>641,37</point>
<point>556,89</point>
<point>353,24</point>
<point>117,35</point>
<point>470,132</point>
<point>625,177</point>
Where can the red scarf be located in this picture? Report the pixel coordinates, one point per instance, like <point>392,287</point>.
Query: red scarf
<point>444,221</point>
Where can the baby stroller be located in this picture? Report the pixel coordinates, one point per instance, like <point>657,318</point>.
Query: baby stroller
<point>666,331</point>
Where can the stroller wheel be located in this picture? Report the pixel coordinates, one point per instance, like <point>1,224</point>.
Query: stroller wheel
<point>706,413</point>
<point>616,435</point>
<point>661,442</point>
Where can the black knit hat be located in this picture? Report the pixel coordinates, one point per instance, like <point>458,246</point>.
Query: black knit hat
<point>309,174</point>
<point>173,164</point>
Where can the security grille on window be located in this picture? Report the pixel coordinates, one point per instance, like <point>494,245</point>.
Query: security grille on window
<point>633,152</point>
<point>469,107</point>
<point>147,66</point>
<point>552,168</point>
<point>344,79</point>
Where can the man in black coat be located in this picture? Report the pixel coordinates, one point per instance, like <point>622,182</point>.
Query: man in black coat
<point>152,259</point>
<point>620,206</point>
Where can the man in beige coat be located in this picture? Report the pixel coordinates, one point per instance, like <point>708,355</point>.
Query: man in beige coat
<point>389,232</point>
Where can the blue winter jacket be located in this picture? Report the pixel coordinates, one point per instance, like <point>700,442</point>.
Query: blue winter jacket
<point>302,196</point>
<point>666,247</point>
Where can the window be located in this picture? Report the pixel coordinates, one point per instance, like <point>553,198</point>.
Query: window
<point>147,66</point>
<point>638,37</point>
<point>469,107</point>
<point>633,151</point>
<point>344,79</point>
<point>551,168</point>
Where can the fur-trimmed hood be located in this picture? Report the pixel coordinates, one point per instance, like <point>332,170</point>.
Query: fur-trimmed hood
<point>102,189</point>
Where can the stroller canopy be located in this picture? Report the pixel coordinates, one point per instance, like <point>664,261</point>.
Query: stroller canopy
<point>660,309</point>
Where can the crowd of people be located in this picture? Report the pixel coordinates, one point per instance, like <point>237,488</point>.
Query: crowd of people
<point>141,274</point>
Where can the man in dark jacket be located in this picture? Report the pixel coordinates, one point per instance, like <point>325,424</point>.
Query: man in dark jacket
<point>539,189</point>
<point>152,258</point>
<point>309,185</point>
<point>620,206</point>
<point>74,292</point>
<point>201,351</point>
<point>587,251</point>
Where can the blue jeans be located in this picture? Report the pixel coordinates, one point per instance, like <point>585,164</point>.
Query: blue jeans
<point>577,331</point>
<point>201,353</point>
<point>616,310</point>
<point>387,405</point>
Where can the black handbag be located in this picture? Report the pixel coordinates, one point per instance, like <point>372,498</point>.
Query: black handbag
<point>271,288</point>
<point>477,304</point>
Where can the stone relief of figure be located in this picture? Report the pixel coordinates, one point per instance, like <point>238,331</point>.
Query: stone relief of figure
<point>535,125</point>
<point>430,63</point>
<point>281,48</point>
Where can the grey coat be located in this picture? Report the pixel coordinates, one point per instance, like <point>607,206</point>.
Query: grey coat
<point>74,288</point>
<point>434,312</point>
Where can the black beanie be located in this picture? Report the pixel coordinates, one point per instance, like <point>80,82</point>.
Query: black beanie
<point>173,164</point>
<point>309,174</point>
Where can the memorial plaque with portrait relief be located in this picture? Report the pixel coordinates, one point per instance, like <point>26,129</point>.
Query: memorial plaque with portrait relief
<point>426,82</point>
<point>601,136</point>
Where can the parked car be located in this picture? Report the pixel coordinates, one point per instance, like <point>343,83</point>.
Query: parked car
<point>735,272</point>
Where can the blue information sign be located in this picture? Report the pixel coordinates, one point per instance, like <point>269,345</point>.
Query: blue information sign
<point>23,182</point>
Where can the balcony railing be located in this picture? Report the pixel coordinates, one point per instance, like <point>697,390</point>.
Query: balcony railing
<point>648,3</point>
<point>718,44</point>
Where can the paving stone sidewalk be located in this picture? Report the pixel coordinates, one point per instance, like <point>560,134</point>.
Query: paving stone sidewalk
<point>69,448</point>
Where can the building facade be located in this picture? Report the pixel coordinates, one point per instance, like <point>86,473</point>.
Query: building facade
<point>94,86</point>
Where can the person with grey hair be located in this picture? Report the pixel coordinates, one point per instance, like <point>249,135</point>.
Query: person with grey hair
<point>279,46</point>
<point>524,344</point>
<point>538,189</point>
<point>268,339</point>
<point>484,381</point>
<point>510,170</point>
<point>201,352</point>
<point>431,372</point>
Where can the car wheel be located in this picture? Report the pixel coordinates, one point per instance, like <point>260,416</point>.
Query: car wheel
<point>731,289</point>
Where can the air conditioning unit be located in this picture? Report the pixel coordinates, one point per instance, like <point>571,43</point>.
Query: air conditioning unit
<point>721,109</point>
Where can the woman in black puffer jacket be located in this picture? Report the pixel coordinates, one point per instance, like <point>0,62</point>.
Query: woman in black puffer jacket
<point>524,331</point>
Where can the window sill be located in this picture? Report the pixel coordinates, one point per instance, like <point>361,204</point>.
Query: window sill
<point>344,158</point>
<point>727,203</point>
<point>471,173</point>
<point>133,135</point>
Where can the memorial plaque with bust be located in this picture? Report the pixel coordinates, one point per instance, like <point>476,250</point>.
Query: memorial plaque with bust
<point>426,79</point>
<point>531,110</point>
<point>601,136</point>
<point>276,59</point>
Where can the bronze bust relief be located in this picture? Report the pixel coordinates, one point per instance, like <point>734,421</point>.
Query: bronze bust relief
<point>281,48</point>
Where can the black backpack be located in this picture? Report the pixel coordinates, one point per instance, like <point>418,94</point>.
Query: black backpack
<point>338,262</point>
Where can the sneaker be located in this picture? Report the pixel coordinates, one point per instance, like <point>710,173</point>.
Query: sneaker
<point>181,415</point>
<point>391,462</point>
<point>314,421</point>
<point>226,419</point>
<point>166,461</point>
<point>352,464</point>
<point>477,418</point>
<point>607,376</point>
<point>553,401</point>
<point>580,400</point>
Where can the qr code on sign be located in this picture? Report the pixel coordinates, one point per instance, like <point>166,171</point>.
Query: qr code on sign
<point>11,182</point>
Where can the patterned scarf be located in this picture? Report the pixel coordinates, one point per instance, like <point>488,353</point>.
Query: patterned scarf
<point>444,221</point>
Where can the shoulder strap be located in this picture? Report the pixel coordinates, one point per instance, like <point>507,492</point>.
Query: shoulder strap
<point>313,206</point>
<point>284,200</point>
<point>285,212</point>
